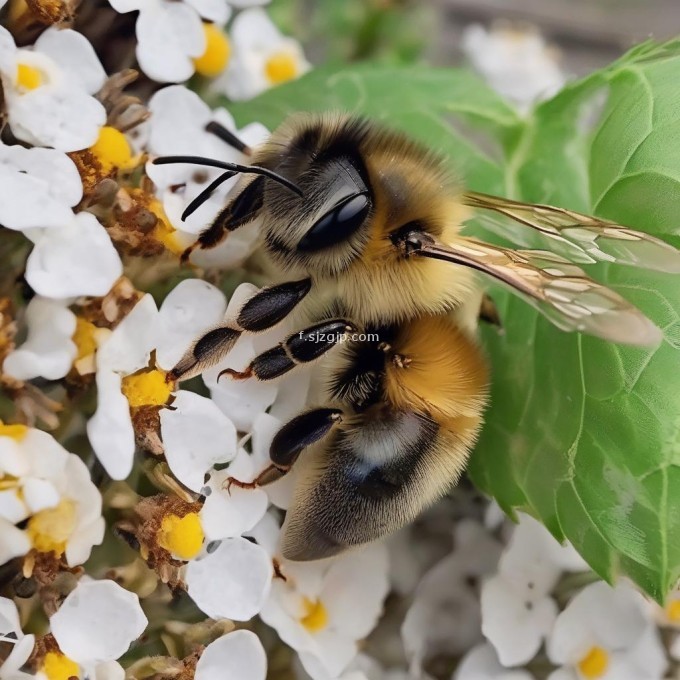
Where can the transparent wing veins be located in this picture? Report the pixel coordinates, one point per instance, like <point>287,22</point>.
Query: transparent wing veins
<point>557,288</point>
<point>597,239</point>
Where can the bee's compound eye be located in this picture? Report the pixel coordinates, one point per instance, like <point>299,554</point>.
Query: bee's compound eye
<point>336,225</point>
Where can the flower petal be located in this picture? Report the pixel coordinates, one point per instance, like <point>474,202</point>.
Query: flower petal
<point>123,6</point>
<point>231,582</point>
<point>76,259</point>
<point>97,622</point>
<point>129,347</point>
<point>196,435</point>
<point>235,656</point>
<point>38,187</point>
<point>13,543</point>
<point>90,525</point>
<point>481,663</point>
<point>66,118</point>
<point>168,38</point>
<point>75,55</point>
<point>217,11</point>
<point>361,576</point>
<point>110,429</point>
<point>48,351</point>
<point>232,512</point>
<point>598,614</point>
<point>528,562</point>
<point>190,308</point>
<point>516,627</point>
<point>176,108</point>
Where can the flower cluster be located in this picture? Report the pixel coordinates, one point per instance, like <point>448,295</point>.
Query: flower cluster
<point>523,604</point>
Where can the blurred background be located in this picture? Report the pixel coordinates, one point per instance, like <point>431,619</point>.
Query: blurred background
<point>585,34</point>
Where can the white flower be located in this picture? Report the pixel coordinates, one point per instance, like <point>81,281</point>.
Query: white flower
<point>231,581</point>
<point>49,350</point>
<point>51,489</point>
<point>516,63</point>
<point>96,624</point>
<point>606,633</point>
<point>481,663</point>
<point>236,656</point>
<point>38,187</point>
<point>324,608</point>
<point>517,610</point>
<point>445,615</point>
<point>48,89</point>
<point>73,254</point>
<point>195,433</point>
<point>171,35</point>
<point>11,634</point>
<point>76,259</point>
<point>177,108</point>
<point>262,57</point>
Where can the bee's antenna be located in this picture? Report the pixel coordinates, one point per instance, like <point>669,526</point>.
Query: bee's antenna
<point>228,137</point>
<point>205,194</point>
<point>234,167</point>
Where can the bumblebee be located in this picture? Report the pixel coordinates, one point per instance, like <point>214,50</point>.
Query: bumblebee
<point>363,225</point>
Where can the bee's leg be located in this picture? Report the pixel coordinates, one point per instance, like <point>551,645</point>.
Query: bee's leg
<point>289,442</point>
<point>299,348</point>
<point>262,311</point>
<point>242,209</point>
<point>488,311</point>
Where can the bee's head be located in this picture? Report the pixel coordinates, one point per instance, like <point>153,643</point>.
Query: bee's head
<point>327,227</point>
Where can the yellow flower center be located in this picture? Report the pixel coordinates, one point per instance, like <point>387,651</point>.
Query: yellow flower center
<point>594,664</point>
<point>56,666</point>
<point>50,529</point>
<point>217,52</point>
<point>281,67</point>
<point>316,616</point>
<point>673,611</point>
<point>147,388</point>
<point>83,337</point>
<point>28,77</point>
<point>181,536</point>
<point>164,231</point>
<point>16,432</point>
<point>112,150</point>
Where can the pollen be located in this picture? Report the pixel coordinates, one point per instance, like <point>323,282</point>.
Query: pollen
<point>316,616</point>
<point>112,150</point>
<point>16,432</point>
<point>49,530</point>
<point>217,52</point>
<point>146,388</point>
<point>28,77</point>
<point>281,67</point>
<point>673,611</point>
<point>181,536</point>
<point>83,338</point>
<point>57,666</point>
<point>594,664</point>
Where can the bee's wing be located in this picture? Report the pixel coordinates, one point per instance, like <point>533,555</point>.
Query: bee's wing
<point>555,287</point>
<point>593,238</point>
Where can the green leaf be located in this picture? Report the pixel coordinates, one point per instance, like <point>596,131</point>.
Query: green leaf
<point>584,434</point>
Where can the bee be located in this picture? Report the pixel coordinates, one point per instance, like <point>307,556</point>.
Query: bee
<point>363,226</point>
